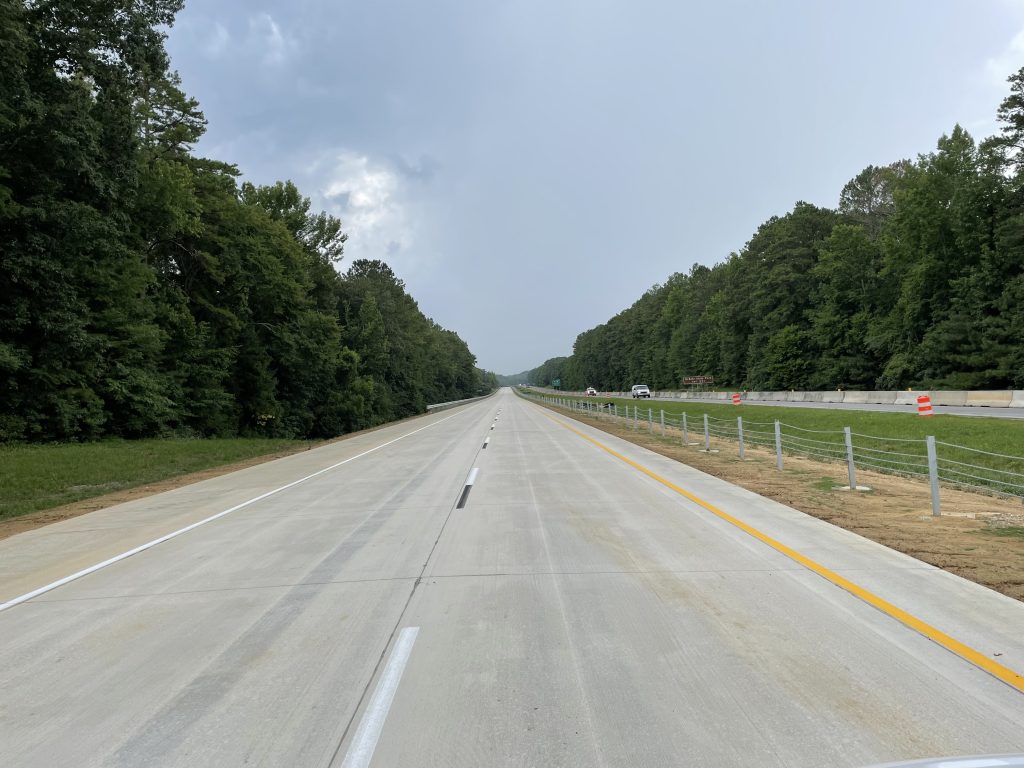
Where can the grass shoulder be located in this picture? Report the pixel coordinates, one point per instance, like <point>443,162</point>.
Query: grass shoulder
<point>39,477</point>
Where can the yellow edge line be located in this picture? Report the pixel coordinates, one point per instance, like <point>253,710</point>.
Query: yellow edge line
<point>965,652</point>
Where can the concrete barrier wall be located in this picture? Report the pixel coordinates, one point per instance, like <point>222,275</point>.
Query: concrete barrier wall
<point>997,399</point>
<point>1005,398</point>
<point>455,403</point>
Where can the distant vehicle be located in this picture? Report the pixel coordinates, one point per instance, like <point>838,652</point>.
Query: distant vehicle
<point>641,390</point>
<point>591,392</point>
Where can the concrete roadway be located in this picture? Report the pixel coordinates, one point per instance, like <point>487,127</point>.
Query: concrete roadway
<point>576,612</point>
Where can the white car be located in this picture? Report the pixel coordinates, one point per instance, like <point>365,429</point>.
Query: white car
<point>591,392</point>
<point>641,390</point>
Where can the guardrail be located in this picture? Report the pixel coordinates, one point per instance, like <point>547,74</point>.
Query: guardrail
<point>454,403</point>
<point>941,463</point>
<point>999,398</point>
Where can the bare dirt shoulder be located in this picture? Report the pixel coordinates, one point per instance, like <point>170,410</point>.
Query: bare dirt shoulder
<point>15,525</point>
<point>968,539</point>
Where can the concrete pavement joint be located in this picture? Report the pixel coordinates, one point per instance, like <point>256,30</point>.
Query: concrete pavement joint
<point>637,572</point>
<point>215,590</point>
<point>965,652</point>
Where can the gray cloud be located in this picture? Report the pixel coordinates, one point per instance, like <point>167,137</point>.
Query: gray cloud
<point>420,170</point>
<point>530,168</point>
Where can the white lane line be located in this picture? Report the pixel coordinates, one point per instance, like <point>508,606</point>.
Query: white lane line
<point>148,545</point>
<point>467,488</point>
<point>360,751</point>
<point>488,440</point>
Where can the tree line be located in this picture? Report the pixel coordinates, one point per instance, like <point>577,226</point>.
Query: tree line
<point>146,291</point>
<point>915,280</point>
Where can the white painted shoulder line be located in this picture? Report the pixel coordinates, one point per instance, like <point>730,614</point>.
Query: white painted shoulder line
<point>360,751</point>
<point>149,544</point>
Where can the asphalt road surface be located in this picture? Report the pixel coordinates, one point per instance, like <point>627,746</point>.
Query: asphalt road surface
<point>591,604</point>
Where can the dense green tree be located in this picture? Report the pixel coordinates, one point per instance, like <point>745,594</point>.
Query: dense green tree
<point>850,294</point>
<point>145,291</point>
<point>1011,114</point>
<point>917,280</point>
<point>867,198</point>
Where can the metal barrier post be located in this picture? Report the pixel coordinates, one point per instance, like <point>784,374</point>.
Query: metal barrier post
<point>650,420</point>
<point>636,417</point>
<point>686,437</point>
<point>848,437</point>
<point>778,445</point>
<point>933,474</point>
<point>662,422</point>
<point>739,431</point>
<point>707,434</point>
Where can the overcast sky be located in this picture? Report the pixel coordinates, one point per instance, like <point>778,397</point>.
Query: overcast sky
<point>531,168</point>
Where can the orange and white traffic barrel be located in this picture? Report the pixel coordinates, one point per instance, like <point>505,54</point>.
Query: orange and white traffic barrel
<point>924,405</point>
<point>736,399</point>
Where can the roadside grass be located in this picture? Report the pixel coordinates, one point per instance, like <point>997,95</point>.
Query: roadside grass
<point>1008,532</point>
<point>37,477</point>
<point>1004,436</point>
<point>826,484</point>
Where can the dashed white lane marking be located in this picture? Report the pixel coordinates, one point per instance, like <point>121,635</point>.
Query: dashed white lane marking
<point>360,751</point>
